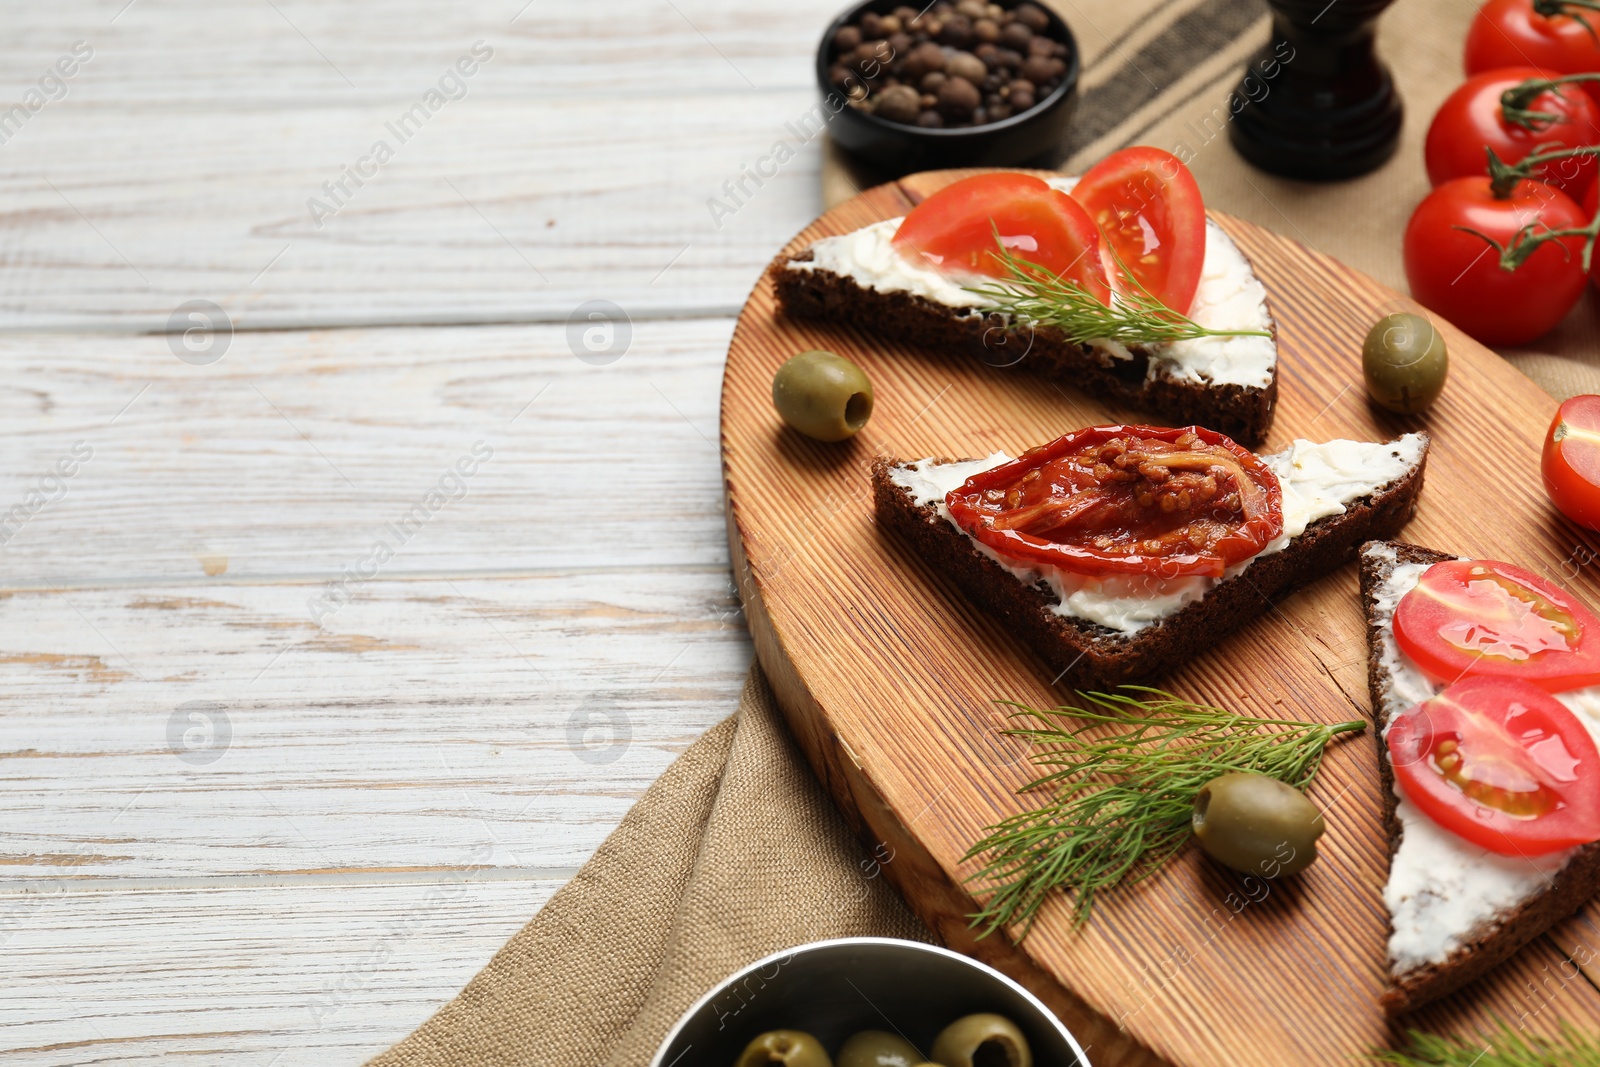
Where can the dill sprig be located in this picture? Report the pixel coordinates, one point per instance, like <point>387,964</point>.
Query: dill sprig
<point>1121,802</point>
<point>1503,1047</point>
<point>1035,294</point>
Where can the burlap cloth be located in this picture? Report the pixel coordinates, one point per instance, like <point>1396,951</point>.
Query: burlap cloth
<point>736,852</point>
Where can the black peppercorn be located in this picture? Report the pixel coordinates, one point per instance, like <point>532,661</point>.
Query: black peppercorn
<point>1016,36</point>
<point>1032,16</point>
<point>899,103</point>
<point>1005,57</point>
<point>957,31</point>
<point>958,98</point>
<point>957,63</point>
<point>965,65</point>
<point>923,59</point>
<point>1041,69</point>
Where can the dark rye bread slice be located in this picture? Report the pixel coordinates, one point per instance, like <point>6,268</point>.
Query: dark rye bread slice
<point>1090,656</point>
<point>1242,412</point>
<point>1498,940</point>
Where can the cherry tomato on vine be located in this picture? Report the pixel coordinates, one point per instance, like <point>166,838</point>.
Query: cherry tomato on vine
<point>1501,763</point>
<point>956,227</point>
<point>1511,33</point>
<point>1571,463</point>
<point>1458,273</point>
<point>1472,118</point>
<point>1149,211</point>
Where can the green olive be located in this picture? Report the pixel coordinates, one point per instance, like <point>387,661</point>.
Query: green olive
<point>1404,362</point>
<point>792,1048</point>
<point>986,1040</point>
<point>1257,825</point>
<point>822,395</point>
<point>878,1048</point>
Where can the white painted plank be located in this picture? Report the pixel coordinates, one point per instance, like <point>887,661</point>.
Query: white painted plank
<point>296,452</point>
<point>175,732</point>
<point>579,163</point>
<point>292,976</point>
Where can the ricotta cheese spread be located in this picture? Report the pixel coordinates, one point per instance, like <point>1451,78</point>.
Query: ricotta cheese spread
<point>1230,297</point>
<point>1441,887</point>
<point>1318,480</point>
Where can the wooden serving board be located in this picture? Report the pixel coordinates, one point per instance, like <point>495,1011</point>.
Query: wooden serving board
<point>888,676</point>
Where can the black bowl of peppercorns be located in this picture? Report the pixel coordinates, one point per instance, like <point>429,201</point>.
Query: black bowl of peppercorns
<point>962,83</point>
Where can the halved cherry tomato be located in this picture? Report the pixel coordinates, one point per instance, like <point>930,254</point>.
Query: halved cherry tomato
<point>1149,211</point>
<point>1510,33</point>
<point>955,229</point>
<point>1571,463</point>
<point>1471,118</point>
<point>1502,764</point>
<point>1483,618</point>
<point>1458,274</point>
<point>1126,500</point>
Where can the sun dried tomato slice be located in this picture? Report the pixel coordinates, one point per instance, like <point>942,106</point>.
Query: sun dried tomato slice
<point>1146,500</point>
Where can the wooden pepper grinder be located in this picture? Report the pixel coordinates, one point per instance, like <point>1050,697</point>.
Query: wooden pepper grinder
<point>1316,102</point>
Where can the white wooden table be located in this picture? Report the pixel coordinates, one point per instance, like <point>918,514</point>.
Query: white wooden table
<point>245,816</point>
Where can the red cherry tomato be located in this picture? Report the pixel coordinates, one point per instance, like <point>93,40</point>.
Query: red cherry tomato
<point>1502,764</point>
<point>1126,500</point>
<point>1458,274</point>
<point>1149,211</point>
<point>1571,463</point>
<point>955,228</point>
<point>1472,119</point>
<point>1483,618</point>
<point>1509,33</point>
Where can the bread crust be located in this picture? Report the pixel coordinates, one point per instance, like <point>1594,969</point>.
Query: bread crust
<point>1242,412</point>
<point>1499,939</point>
<point>1090,656</point>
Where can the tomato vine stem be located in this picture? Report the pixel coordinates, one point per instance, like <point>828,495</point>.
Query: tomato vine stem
<point>1516,101</point>
<point>1503,178</point>
<point>1552,8</point>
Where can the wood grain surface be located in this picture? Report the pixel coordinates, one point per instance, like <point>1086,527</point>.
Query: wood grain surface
<point>577,162</point>
<point>401,787</point>
<point>889,676</point>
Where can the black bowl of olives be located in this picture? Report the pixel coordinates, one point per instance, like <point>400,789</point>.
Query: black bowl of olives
<point>868,1000</point>
<point>961,83</point>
